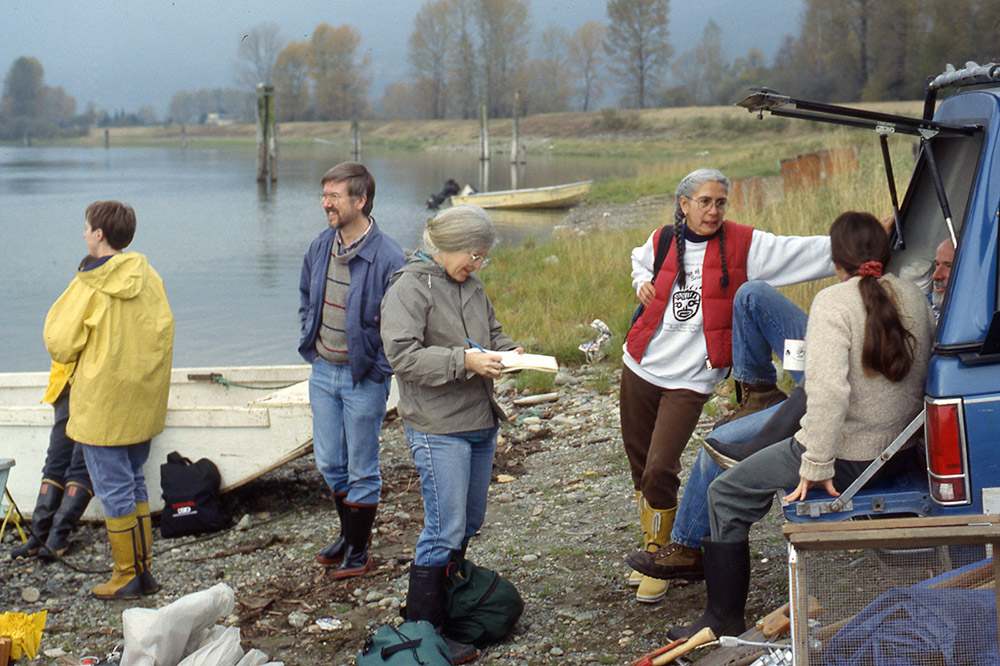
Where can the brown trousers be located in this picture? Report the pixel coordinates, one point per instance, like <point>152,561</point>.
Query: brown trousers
<point>656,426</point>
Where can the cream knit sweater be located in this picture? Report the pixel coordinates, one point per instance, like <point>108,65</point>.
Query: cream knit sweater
<point>850,414</point>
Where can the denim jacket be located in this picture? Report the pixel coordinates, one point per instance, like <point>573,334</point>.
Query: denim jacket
<point>370,269</point>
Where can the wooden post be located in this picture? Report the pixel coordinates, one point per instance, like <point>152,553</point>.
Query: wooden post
<point>484,135</point>
<point>515,147</point>
<point>184,138</point>
<point>107,138</point>
<point>355,139</point>
<point>267,135</point>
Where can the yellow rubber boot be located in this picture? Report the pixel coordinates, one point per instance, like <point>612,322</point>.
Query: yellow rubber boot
<point>661,522</point>
<point>634,577</point>
<point>147,584</point>
<point>125,550</point>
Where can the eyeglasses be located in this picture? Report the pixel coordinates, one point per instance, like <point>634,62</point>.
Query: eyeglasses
<point>706,203</point>
<point>480,259</point>
<point>334,197</point>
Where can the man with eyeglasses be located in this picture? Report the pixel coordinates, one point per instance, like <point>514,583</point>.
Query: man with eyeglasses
<point>345,273</point>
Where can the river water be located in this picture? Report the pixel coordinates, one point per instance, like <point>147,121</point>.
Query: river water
<point>229,251</point>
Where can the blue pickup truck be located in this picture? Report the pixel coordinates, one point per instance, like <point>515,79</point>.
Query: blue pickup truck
<point>954,193</point>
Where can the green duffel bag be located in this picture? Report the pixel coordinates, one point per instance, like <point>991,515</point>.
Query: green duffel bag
<point>480,605</point>
<point>409,644</point>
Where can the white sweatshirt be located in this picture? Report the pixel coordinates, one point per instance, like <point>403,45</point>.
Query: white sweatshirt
<point>677,356</point>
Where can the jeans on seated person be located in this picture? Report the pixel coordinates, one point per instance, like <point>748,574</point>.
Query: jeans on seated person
<point>691,523</point>
<point>763,319</point>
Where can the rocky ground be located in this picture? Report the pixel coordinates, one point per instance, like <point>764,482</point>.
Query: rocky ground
<point>561,519</point>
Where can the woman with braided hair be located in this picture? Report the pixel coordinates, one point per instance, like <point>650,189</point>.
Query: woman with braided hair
<point>867,348</point>
<point>680,345</point>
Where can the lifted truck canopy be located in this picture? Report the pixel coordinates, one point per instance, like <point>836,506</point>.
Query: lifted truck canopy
<point>957,178</point>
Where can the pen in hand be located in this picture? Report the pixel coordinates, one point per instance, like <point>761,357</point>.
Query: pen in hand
<point>469,340</point>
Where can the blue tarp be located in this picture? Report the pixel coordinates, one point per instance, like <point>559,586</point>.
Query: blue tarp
<point>922,627</point>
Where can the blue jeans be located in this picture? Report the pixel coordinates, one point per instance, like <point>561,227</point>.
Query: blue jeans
<point>692,523</point>
<point>347,419</point>
<point>762,319</point>
<point>455,471</point>
<point>116,471</point>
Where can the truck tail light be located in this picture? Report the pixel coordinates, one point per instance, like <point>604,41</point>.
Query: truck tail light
<point>947,465</point>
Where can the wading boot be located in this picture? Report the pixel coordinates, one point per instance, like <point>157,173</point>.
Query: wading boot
<point>334,553</point>
<point>727,581</point>
<point>147,584</point>
<point>46,506</point>
<point>125,551</point>
<point>74,502</point>
<point>754,398</point>
<point>783,424</point>
<point>425,601</point>
<point>358,521</point>
<point>661,522</point>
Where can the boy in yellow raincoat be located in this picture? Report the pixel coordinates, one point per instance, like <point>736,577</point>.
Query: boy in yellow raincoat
<point>114,322</point>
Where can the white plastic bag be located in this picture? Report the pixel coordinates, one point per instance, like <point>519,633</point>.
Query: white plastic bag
<point>221,647</point>
<point>164,636</point>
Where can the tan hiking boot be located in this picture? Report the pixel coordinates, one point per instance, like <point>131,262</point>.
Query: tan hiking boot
<point>671,561</point>
<point>754,399</point>
<point>661,522</point>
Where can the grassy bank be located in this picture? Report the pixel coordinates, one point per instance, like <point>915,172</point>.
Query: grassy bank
<point>547,294</point>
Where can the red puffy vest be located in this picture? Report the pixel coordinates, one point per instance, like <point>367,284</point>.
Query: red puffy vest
<point>717,301</point>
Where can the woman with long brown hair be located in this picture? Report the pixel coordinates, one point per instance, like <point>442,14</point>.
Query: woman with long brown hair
<point>867,348</point>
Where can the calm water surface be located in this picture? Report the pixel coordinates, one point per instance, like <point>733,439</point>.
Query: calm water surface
<point>229,252</point>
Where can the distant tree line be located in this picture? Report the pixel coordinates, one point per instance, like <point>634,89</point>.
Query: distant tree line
<point>29,109</point>
<point>467,53</point>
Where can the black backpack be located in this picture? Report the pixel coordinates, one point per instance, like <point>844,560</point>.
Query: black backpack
<point>191,497</point>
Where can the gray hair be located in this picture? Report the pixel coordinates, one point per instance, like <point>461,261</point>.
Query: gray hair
<point>461,228</point>
<point>690,183</point>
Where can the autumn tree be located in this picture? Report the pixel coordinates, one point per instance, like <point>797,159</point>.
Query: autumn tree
<point>256,55</point>
<point>503,32</point>
<point>637,45</point>
<point>462,66</point>
<point>338,72</point>
<point>703,70</point>
<point>23,89</point>
<point>549,86</point>
<point>430,47</point>
<point>291,82</point>
<point>586,60</point>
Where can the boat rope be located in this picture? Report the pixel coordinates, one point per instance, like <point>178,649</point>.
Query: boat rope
<point>217,378</point>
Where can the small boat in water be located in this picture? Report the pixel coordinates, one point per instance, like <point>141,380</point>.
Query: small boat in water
<point>554,196</point>
<point>247,420</point>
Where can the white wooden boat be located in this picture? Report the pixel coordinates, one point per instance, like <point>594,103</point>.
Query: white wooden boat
<point>247,420</point>
<point>554,196</point>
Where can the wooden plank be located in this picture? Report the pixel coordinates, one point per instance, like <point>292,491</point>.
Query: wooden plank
<point>890,523</point>
<point>899,538</point>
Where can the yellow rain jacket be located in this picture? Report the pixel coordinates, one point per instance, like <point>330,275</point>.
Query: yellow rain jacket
<point>115,323</point>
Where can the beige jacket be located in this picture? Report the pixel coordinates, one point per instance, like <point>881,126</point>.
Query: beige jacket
<point>850,414</point>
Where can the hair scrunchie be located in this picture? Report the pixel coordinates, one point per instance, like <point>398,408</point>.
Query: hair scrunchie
<point>870,269</point>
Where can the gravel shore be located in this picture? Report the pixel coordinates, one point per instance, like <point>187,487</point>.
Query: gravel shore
<point>561,518</point>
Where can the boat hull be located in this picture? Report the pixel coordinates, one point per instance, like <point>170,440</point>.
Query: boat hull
<point>247,420</point>
<point>555,196</point>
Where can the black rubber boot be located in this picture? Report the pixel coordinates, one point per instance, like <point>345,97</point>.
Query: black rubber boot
<point>358,521</point>
<point>334,553</point>
<point>46,506</point>
<point>74,502</point>
<point>783,424</point>
<point>727,582</point>
<point>425,601</point>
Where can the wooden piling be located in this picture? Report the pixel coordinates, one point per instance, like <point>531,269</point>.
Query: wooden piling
<point>355,140</point>
<point>267,135</point>
<point>484,135</point>
<point>107,138</point>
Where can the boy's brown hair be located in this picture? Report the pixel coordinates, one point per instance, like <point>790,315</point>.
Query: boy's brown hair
<point>115,219</point>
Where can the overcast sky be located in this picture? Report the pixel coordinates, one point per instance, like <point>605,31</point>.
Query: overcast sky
<point>125,54</point>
